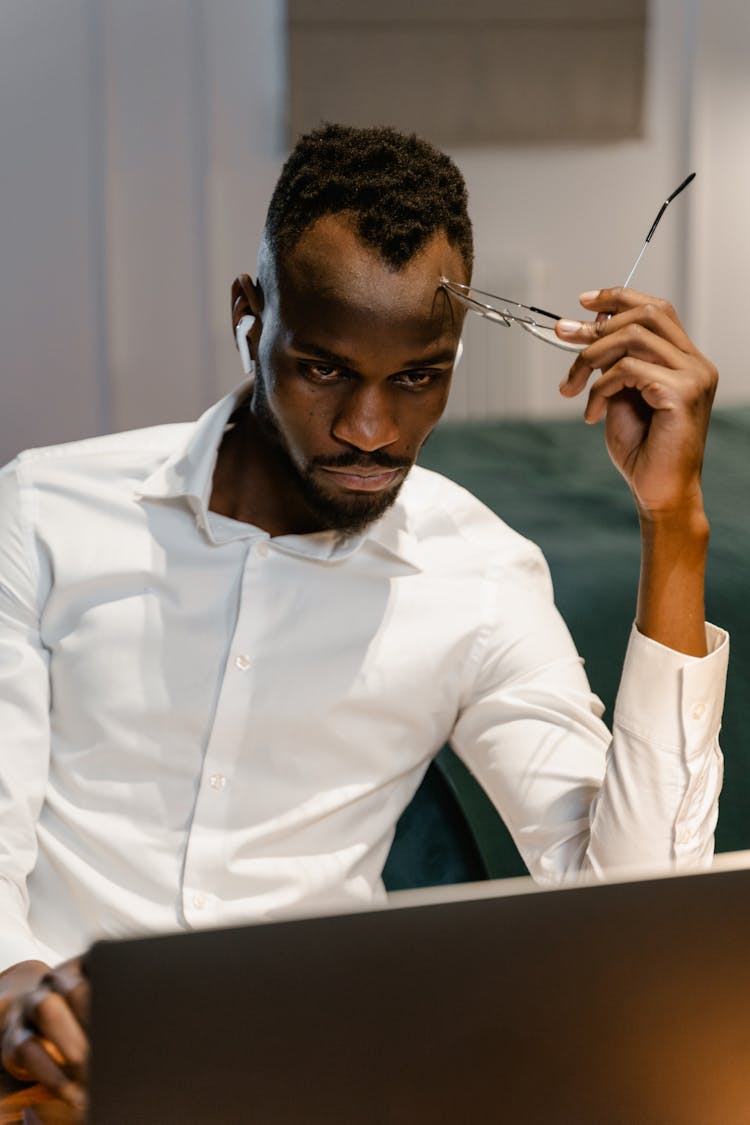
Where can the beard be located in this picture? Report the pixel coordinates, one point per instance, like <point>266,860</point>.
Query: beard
<point>348,515</point>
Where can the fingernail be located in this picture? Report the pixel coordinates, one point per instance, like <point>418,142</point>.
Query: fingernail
<point>569,327</point>
<point>589,295</point>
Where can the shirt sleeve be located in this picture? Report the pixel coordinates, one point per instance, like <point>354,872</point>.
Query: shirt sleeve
<point>576,799</point>
<point>24,719</point>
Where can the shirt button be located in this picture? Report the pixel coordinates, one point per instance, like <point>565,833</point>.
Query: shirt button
<point>699,710</point>
<point>242,661</point>
<point>261,549</point>
<point>217,781</point>
<point>200,902</point>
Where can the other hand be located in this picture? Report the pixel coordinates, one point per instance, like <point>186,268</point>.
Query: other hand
<point>44,1029</point>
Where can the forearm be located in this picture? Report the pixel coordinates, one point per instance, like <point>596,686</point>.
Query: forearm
<point>671,588</point>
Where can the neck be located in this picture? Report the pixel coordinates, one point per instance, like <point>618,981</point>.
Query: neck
<point>254,483</point>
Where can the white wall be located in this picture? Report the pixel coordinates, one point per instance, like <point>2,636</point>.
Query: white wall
<point>50,357</point>
<point>720,222</point>
<point>140,142</point>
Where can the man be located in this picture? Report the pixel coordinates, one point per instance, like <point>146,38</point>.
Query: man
<point>230,650</point>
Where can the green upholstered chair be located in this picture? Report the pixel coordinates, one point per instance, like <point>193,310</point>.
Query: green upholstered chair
<point>434,842</point>
<point>553,482</point>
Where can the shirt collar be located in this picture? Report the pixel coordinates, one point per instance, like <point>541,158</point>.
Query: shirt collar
<point>188,473</point>
<point>189,469</point>
<point>394,534</point>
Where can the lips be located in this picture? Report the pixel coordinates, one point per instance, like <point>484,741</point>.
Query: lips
<point>363,480</point>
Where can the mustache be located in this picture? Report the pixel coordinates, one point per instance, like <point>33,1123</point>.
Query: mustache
<point>378,459</point>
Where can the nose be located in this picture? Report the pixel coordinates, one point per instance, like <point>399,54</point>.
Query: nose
<point>366,418</point>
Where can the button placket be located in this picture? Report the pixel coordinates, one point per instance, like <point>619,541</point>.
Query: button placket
<point>227,742</point>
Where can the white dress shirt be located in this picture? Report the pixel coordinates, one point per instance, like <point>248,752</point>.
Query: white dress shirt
<point>202,725</point>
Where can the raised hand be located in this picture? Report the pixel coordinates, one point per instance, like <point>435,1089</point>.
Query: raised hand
<point>655,390</point>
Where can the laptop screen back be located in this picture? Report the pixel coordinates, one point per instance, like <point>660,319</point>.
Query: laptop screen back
<point>626,1004</point>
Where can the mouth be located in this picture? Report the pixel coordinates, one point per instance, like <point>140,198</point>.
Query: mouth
<point>364,480</point>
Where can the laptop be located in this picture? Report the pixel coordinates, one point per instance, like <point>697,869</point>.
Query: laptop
<point>623,1004</point>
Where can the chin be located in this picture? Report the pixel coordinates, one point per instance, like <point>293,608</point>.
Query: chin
<point>349,517</point>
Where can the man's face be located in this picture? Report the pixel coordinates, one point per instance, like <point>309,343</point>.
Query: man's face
<point>353,363</point>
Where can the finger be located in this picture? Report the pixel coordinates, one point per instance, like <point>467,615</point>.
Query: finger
<point>652,316</point>
<point>656,316</point>
<point>660,388</point>
<point>645,332</point>
<point>68,980</point>
<point>654,312</point>
<point>46,1016</point>
<point>618,299</point>
<point>51,1017</point>
<point>27,1057</point>
<point>633,340</point>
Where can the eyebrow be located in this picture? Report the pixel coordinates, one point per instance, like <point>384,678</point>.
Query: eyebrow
<point>447,355</point>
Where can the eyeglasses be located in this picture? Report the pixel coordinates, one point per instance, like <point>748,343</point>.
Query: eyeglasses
<point>538,322</point>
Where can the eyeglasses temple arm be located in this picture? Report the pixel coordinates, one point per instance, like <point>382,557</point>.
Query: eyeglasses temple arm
<point>627,280</point>
<point>654,225</point>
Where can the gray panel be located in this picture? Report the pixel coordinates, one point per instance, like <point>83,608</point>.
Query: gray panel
<point>470,11</point>
<point>470,81</point>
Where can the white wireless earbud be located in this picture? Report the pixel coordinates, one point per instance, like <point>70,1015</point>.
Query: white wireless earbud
<point>241,334</point>
<point>459,353</point>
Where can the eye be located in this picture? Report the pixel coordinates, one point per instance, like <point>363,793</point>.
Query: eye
<point>417,380</point>
<point>322,372</point>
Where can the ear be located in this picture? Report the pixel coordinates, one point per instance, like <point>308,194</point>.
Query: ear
<point>247,305</point>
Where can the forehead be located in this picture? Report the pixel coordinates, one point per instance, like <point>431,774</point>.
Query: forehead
<point>332,276</point>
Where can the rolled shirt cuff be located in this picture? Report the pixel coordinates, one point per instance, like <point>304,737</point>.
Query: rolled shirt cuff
<point>671,698</point>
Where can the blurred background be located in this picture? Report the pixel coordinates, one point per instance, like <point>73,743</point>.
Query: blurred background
<point>139,143</point>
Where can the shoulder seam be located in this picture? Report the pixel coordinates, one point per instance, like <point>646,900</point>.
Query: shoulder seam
<point>27,514</point>
<point>97,446</point>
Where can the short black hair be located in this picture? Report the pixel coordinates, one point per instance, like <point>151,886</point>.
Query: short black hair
<point>400,190</point>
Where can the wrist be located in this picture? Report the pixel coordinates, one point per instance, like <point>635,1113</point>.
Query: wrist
<point>671,588</point>
<point>686,526</point>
